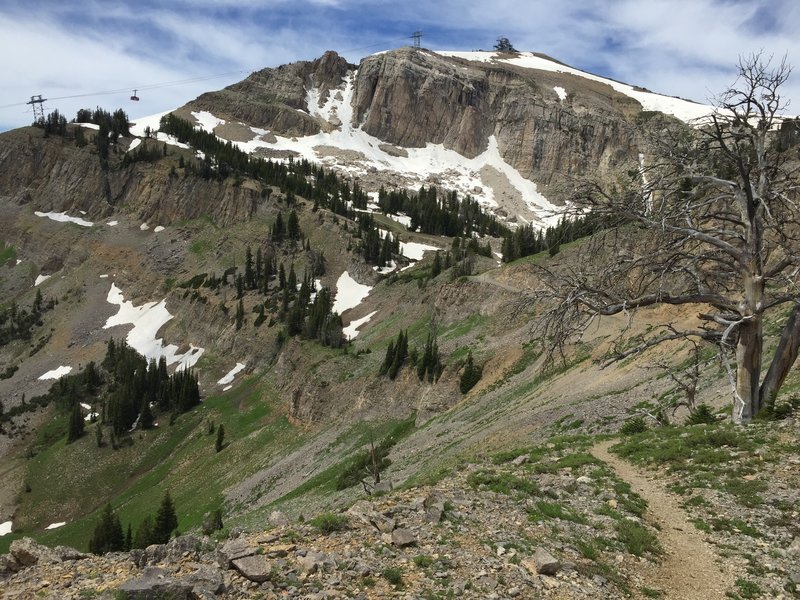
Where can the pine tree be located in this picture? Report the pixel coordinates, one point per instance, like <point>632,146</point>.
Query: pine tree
<point>98,434</point>
<point>76,424</point>
<point>107,536</point>
<point>128,539</point>
<point>220,438</point>
<point>436,267</point>
<point>249,273</point>
<point>293,226</point>
<point>387,360</point>
<point>470,376</point>
<point>166,520</point>
<point>144,534</point>
<point>239,315</point>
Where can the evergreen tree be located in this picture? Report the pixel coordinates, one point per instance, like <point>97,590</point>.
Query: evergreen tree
<point>128,539</point>
<point>107,536</point>
<point>98,434</point>
<point>436,267</point>
<point>146,419</point>
<point>278,230</point>
<point>470,376</point>
<point>293,226</point>
<point>249,273</point>
<point>166,520</point>
<point>144,534</point>
<point>220,438</point>
<point>76,424</point>
<point>239,315</point>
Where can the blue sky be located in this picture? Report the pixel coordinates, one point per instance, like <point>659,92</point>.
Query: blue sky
<point>687,48</point>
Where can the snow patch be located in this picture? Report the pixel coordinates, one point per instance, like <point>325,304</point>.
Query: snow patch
<point>19,261</point>
<point>227,387</point>
<point>94,126</point>
<point>152,121</point>
<point>147,319</point>
<point>134,144</point>
<point>112,223</point>
<point>206,121</point>
<point>231,374</point>
<point>56,373</point>
<point>5,528</point>
<point>685,110</point>
<point>351,331</point>
<point>349,293</point>
<point>64,218</point>
<point>41,279</point>
<point>104,276</point>
<point>56,525</point>
<point>404,220</point>
<point>158,228</point>
<point>415,250</point>
<point>562,93</point>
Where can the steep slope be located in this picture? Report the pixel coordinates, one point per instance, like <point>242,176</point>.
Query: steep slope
<point>160,233</point>
<point>512,130</point>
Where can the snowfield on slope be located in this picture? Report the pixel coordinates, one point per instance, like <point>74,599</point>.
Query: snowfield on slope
<point>64,218</point>
<point>451,169</point>
<point>56,373</point>
<point>685,110</point>
<point>228,378</point>
<point>351,331</point>
<point>349,293</point>
<point>147,319</point>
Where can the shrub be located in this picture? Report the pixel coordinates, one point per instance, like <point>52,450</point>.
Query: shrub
<point>633,425</point>
<point>329,522</point>
<point>701,414</point>
<point>394,576</point>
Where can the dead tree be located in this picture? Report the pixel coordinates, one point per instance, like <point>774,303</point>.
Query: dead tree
<point>709,219</point>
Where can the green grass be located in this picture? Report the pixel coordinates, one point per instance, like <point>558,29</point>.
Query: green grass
<point>73,482</point>
<point>7,253</point>
<point>393,575</point>
<point>636,538</point>
<point>200,247</point>
<point>717,456</point>
<point>553,510</point>
<point>329,522</point>
<point>502,483</point>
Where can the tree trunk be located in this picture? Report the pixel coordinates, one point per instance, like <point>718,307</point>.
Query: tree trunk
<point>785,356</point>
<point>748,369</point>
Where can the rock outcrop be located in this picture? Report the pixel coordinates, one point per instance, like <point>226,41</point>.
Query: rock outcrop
<point>409,98</point>
<point>273,98</point>
<point>52,174</point>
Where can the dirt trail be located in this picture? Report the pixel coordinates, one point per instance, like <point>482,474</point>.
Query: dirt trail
<point>689,568</point>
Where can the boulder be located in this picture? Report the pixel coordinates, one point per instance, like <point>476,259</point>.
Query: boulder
<point>155,584</point>
<point>206,579</point>
<point>255,568</point>
<point>67,553</point>
<point>8,565</point>
<point>278,519</point>
<point>28,552</point>
<point>312,562</point>
<point>235,549</point>
<point>546,563</point>
<point>403,537</point>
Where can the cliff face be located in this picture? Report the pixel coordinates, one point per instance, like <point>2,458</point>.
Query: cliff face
<point>54,175</point>
<point>409,97</point>
<point>273,98</point>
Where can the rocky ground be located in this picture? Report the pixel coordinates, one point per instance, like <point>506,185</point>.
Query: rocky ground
<point>552,521</point>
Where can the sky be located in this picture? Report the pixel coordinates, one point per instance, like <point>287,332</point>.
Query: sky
<point>173,51</point>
